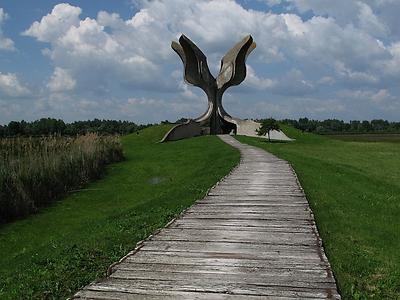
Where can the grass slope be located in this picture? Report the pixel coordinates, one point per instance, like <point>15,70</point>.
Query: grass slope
<point>376,137</point>
<point>354,191</point>
<point>54,253</point>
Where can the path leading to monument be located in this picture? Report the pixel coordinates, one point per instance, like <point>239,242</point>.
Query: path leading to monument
<point>252,237</point>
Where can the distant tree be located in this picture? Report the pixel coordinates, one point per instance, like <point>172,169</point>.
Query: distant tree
<point>365,126</point>
<point>49,126</point>
<point>303,124</point>
<point>355,125</point>
<point>266,126</point>
<point>379,125</point>
<point>181,121</point>
<point>14,128</point>
<point>3,131</point>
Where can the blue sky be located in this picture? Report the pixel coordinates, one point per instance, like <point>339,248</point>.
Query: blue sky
<point>112,59</point>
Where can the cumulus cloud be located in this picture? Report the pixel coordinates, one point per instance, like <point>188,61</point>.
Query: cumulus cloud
<point>353,76</point>
<point>135,48</point>
<point>61,81</point>
<point>10,86</point>
<point>380,96</point>
<point>98,53</point>
<point>378,17</point>
<point>254,81</point>
<point>5,43</point>
<point>52,26</point>
<point>344,44</point>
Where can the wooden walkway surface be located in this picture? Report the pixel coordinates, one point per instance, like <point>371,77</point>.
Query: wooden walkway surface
<point>252,237</point>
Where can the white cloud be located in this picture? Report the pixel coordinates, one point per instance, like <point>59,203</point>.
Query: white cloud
<point>292,83</point>
<point>346,44</point>
<point>5,43</point>
<point>378,17</point>
<point>10,86</point>
<point>53,25</point>
<point>133,50</point>
<point>96,58</point>
<point>369,21</point>
<point>253,81</point>
<point>380,97</point>
<point>61,81</point>
<point>326,80</point>
<point>349,75</point>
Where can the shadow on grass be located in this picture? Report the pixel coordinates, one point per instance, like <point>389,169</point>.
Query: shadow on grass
<point>276,142</point>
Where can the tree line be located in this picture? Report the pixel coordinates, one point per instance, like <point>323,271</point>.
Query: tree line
<point>50,126</point>
<point>335,126</point>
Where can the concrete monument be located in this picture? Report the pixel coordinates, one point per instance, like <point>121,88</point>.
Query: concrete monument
<point>196,72</point>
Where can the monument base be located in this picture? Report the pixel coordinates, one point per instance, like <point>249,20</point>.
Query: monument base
<point>243,127</point>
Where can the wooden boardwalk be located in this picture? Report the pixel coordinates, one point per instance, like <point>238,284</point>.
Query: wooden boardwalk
<point>252,237</point>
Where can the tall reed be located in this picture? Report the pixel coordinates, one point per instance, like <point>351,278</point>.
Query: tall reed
<point>36,171</point>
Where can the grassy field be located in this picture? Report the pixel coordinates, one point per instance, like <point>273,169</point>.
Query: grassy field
<point>354,191</point>
<point>385,137</point>
<point>52,254</point>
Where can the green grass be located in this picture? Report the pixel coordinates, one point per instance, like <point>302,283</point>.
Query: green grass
<point>52,254</point>
<point>354,191</point>
<point>373,137</point>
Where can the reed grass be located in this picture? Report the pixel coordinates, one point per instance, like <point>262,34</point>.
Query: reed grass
<point>35,172</point>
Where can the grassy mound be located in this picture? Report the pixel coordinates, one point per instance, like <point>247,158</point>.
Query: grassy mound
<point>54,253</point>
<point>354,191</point>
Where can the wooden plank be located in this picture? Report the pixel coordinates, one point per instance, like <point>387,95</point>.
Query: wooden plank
<point>172,258</point>
<point>296,279</point>
<point>260,222</point>
<point>245,225</point>
<point>263,250</point>
<point>253,193</point>
<point>301,211</point>
<point>260,204</point>
<point>283,258</point>
<point>248,216</point>
<point>208,226</point>
<point>218,269</point>
<point>254,200</point>
<point>290,289</point>
<point>259,197</point>
<point>176,295</point>
<point>235,236</point>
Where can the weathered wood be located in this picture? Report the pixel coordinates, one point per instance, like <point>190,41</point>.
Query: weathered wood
<point>250,210</point>
<point>245,278</point>
<point>217,269</point>
<point>275,257</point>
<point>176,295</point>
<point>217,248</point>
<point>290,289</point>
<point>238,236</point>
<point>252,237</point>
<point>213,226</point>
<point>239,216</point>
<point>172,259</point>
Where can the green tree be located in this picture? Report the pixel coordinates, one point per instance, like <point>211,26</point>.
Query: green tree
<point>266,126</point>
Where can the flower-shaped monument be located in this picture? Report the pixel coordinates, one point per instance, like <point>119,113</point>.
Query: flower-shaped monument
<point>196,72</point>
